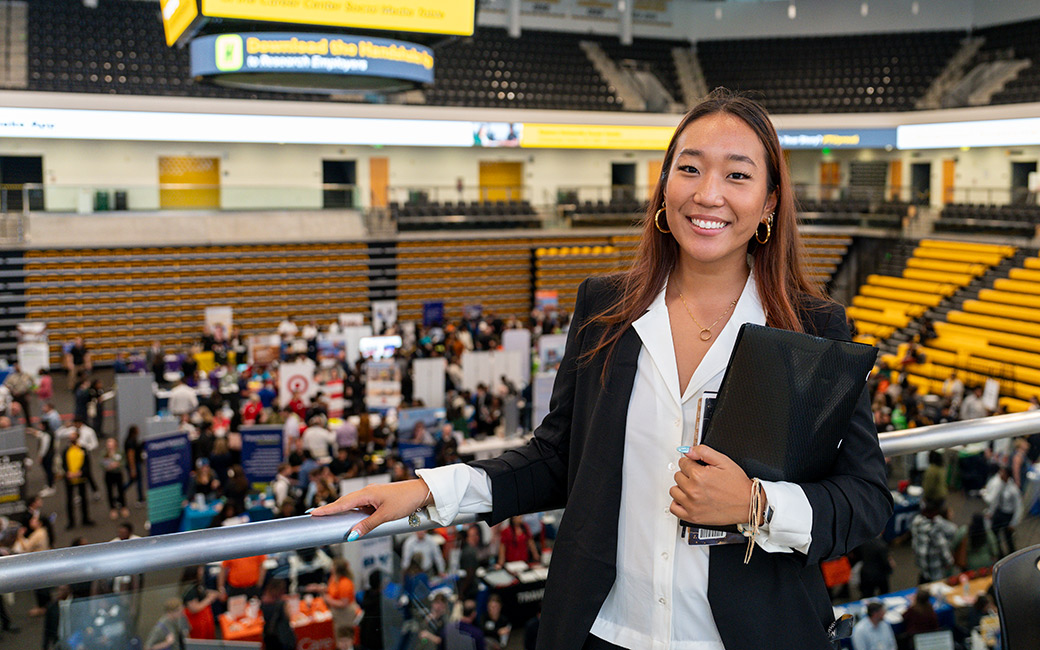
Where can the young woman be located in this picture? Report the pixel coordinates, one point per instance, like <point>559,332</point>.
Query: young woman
<point>645,350</point>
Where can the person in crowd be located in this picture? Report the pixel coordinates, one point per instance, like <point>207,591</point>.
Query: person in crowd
<point>920,617</point>
<point>471,557</point>
<point>88,441</point>
<point>20,384</point>
<point>113,463</point>
<point>340,597</point>
<point>288,329</point>
<point>125,531</point>
<point>36,535</point>
<point>516,543</point>
<point>44,385</point>
<point>237,487</point>
<point>934,481</point>
<point>155,359</point>
<point>45,450</point>
<point>318,439</point>
<point>182,400</point>
<point>132,449</point>
<point>1020,462</point>
<point>198,603</point>
<point>278,632</point>
<point>983,549</point>
<point>435,620</point>
<point>719,248</point>
<point>282,484</point>
<point>464,634</point>
<point>50,417</point>
<point>252,409</point>
<point>81,400</point>
<point>875,568</point>
<point>75,462</point>
<point>873,632</point>
<point>170,630</point>
<point>77,361</point>
<point>370,632</point>
<point>972,407</point>
<point>241,576</point>
<point>932,537</point>
<point>421,545</point>
<point>309,570</point>
<point>1004,501</point>
<point>495,625</point>
<point>95,408</point>
<point>52,619</point>
<point>204,482</point>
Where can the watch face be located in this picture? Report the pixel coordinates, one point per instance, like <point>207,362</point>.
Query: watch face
<point>769,513</point>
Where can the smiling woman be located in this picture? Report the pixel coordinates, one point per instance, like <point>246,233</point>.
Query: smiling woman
<point>719,247</point>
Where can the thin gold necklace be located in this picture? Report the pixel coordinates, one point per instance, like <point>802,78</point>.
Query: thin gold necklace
<point>705,334</point>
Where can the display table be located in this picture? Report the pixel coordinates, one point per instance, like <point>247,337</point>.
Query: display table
<point>312,623</point>
<point>196,517</point>
<point>903,513</point>
<point>489,447</point>
<point>944,599</point>
<point>521,590</point>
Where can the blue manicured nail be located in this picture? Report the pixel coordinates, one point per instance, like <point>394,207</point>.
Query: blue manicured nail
<point>683,450</point>
<point>352,537</point>
<point>310,510</point>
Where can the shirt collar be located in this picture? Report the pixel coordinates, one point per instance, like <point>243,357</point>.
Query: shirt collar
<point>655,332</point>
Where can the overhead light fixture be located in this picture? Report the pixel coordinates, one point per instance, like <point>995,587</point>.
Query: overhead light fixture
<point>864,9</point>
<point>718,13</point>
<point>915,8</point>
<point>792,11</point>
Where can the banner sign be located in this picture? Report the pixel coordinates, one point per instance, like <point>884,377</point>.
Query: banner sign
<point>519,340</point>
<point>433,313</point>
<point>550,351</point>
<point>837,139</point>
<point>429,380</point>
<point>543,385</point>
<point>264,349</point>
<point>384,315</point>
<point>296,377</point>
<point>383,385</point>
<point>408,418</point>
<point>262,450</point>
<point>12,471</point>
<point>169,467</point>
<point>219,316</point>
<point>416,456</point>
<point>326,54</point>
<point>33,349</point>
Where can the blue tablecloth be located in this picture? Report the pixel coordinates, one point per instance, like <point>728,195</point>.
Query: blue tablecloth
<point>195,518</point>
<point>897,601</point>
<point>906,508</point>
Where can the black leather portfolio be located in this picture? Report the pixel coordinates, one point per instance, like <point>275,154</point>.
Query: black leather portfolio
<point>785,403</point>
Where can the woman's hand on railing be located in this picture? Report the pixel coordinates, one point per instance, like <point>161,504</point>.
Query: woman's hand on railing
<point>386,502</point>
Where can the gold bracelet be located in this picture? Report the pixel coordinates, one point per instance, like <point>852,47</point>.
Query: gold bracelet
<point>754,508</point>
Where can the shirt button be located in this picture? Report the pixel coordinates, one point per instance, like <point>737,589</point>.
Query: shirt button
<point>667,511</point>
<point>664,556</point>
<point>678,423</point>
<point>662,601</point>
<point>671,466</point>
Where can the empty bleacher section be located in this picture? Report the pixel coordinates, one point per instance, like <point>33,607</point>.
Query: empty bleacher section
<point>618,211</point>
<point>652,55</point>
<point>449,215</point>
<point>934,271</point>
<point>122,299</point>
<point>993,336</point>
<point>562,268</point>
<point>540,70</point>
<point>1017,220</point>
<point>852,212</point>
<point>824,254</point>
<point>831,74</point>
<point>1021,39</point>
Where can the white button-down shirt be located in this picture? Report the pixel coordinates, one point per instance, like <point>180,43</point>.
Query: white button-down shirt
<point>660,597</point>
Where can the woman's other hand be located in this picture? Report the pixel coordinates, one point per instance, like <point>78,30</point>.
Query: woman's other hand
<point>717,493</point>
<point>388,501</point>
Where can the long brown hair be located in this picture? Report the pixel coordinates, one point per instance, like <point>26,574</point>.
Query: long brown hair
<point>779,265</point>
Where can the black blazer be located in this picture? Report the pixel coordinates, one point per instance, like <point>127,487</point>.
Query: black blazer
<point>778,601</point>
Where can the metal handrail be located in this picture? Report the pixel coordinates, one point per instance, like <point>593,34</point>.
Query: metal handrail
<point>110,559</point>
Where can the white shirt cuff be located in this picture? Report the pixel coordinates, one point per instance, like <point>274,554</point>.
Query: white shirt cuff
<point>457,489</point>
<point>790,528</point>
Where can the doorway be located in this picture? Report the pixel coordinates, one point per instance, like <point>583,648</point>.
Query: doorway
<point>189,182</point>
<point>921,183</point>
<point>949,174</point>
<point>501,181</point>
<point>622,182</point>
<point>653,176</point>
<point>336,176</point>
<point>15,172</point>
<point>1020,172</point>
<point>830,180</point>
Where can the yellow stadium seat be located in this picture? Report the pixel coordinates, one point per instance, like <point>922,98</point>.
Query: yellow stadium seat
<point>1018,286</point>
<point>891,318</point>
<point>1032,263</point>
<point>997,249</point>
<point>1010,298</point>
<point>1028,275</point>
<point>1004,339</point>
<point>957,255</point>
<point>997,323</point>
<point>943,265</point>
<point>1002,310</point>
<point>960,279</point>
<point>907,284</point>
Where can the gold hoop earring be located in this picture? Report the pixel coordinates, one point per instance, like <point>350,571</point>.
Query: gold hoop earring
<point>657,221</point>
<point>769,229</point>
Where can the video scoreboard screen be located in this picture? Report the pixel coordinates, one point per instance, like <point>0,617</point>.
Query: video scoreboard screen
<point>419,16</point>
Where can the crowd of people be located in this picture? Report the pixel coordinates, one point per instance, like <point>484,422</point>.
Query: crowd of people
<point>323,448</point>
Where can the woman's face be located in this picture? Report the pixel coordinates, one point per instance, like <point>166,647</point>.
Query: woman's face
<point>717,191</point>
<point>494,608</point>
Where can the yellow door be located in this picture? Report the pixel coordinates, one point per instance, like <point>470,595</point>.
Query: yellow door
<point>653,175</point>
<point>895,180</point>
<point>949,169</point>
<point>830,179</point>
<point>379,181</point>
<point>501,181</point>
<point>187,182</point>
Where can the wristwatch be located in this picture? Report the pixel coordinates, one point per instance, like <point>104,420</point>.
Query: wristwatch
<point>769,513</point>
